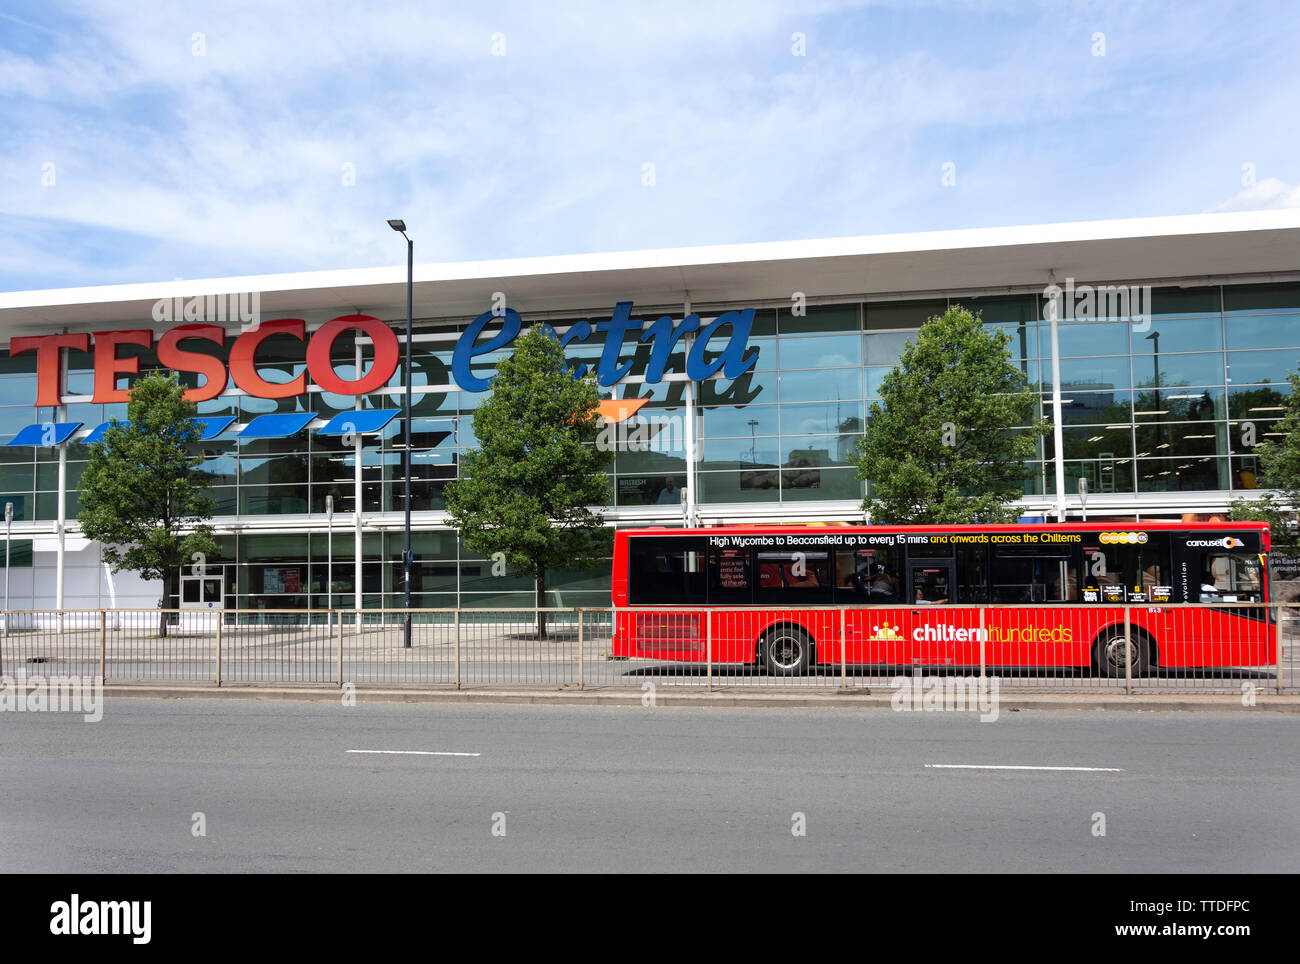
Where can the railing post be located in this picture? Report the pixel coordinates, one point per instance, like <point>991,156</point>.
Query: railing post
<point>103,620</point>
<point>708,646</point>
<point>844,649</point>
<point>457,614</point>
<point>580,676</point>
<point>983,638</point>
<point>1128,652</point>
<point>220,619</point>
<point>340,647</point>
<point>1278,637</point>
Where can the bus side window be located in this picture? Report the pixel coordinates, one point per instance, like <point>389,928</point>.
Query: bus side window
<point>867,575</point>
<point>790,578</point>
<point>666,571</point>
<point>1230,577</point>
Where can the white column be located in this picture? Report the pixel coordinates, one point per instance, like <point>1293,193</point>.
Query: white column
<point>1058,435</point>
<point>692,499</point>
<point>62,517</point>
<point>356,509</point>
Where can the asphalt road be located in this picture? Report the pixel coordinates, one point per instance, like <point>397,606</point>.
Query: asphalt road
<point>645,789</point>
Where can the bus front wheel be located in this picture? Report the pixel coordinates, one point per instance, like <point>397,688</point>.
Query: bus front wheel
<point>786,651</point>
<point>1109,654</point>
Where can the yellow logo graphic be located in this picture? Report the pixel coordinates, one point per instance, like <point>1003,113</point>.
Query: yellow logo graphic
<point>1124,538</point>
<point>887,634</point>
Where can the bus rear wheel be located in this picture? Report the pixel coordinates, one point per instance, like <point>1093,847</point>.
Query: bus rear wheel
<point>1109,653</point>
<point>786,651</point>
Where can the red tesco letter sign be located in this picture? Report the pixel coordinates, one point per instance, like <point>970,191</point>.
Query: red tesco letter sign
<point>322,369</point>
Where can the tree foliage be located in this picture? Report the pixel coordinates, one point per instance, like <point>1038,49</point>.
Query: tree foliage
<point>142,491</point>
<point>938,446</point>
<point>528,489</point>
<point>1279,471</point>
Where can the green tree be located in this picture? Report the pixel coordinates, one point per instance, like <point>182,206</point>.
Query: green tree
<point>1279,469</point>
<point>142,491</point>
<point>938,446</point>
<point>527,491</point>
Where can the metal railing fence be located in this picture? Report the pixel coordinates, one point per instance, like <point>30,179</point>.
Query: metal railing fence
<point>1089,648</point>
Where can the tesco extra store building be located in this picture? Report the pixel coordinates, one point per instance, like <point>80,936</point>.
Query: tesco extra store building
<point>761,358</point>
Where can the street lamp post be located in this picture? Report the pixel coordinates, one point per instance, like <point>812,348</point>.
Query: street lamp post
<point>1154,338</point>
<point>400,227</point>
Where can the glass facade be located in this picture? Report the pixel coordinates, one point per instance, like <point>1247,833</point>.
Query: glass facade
<point>1175,405</point>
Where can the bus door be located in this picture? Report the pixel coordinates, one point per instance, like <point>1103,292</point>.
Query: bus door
<point>931,633</point>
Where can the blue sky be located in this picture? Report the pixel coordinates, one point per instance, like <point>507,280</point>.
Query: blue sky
<point>151,141</point>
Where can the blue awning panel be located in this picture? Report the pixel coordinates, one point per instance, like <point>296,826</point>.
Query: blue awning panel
<point>98,434</point>
<point>210,428</point>
<point>277,426</point>
<point>364,422</point>
<point>45,433</point>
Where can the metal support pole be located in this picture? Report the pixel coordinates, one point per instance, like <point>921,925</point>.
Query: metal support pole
<point>340,647</point>
<point>357,600</point>
<point>220,629</point>
<point>406,558</point>
<point>689,437</point>
<point>1278,642</point>
<point>844,649</point>
<point>708,646</point>
<point>1057,430</point>
<point>329,556</point>
<point>580,676</point>
<point>457,649</point>
<point>62,517</point>
<point>103,619</point>
<point>9,538</point>
<point>1128,653</point>
<point>983,636</point>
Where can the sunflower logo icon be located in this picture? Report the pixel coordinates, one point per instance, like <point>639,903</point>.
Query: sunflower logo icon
<point>887,632</point>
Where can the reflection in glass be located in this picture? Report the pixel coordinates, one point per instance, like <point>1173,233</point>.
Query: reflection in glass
<point>827,418</point>
<point>1195,473</point>
<point>1178,404</point>
<point>1261,367</point>
<point>841,383</point>
<point>829,351</point>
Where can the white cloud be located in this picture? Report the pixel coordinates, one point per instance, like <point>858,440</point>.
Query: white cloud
<point>1264,195</point>
<point>232,162</point>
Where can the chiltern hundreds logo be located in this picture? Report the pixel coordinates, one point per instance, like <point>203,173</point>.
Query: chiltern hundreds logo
<point>1227,542</point>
